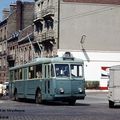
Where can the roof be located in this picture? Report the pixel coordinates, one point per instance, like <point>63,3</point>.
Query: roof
<point>4,22</point>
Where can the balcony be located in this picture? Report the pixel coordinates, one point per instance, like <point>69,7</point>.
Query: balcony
<point>49,11</point>
<point>38,37</point>
<point>11,57</point>
<point>48,35</point>
<point>38,16</point>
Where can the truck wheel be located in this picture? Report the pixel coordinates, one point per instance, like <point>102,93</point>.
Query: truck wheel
<point>111,104</point>
<point>38,97</point>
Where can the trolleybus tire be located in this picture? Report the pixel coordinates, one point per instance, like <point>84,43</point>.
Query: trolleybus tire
<point>111,104</point>
<point>72,102</point>
<point>38,97</point>
<point>15,97</point>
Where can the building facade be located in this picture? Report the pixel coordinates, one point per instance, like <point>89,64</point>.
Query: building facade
<point>87,28</point>
<point>20,21</point>
<point>16,25</point>
<point>3,49</point>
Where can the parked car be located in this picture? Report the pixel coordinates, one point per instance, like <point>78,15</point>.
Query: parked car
<point>5,88</point>
<point>1,90</point>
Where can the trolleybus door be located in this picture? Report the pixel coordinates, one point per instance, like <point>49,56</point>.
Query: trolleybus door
<point>25,81</point>
<point>47,79</point>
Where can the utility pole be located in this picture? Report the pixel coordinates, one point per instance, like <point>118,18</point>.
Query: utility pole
<point>58,24</point>
<point>31,46</point>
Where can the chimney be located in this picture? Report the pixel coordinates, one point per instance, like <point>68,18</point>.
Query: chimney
<point>19,14</point>
<point>12,7</point>
<point>6,13</point>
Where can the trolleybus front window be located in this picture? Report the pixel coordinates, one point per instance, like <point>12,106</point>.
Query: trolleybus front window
<point>62,70</point>
<point>76,70</point>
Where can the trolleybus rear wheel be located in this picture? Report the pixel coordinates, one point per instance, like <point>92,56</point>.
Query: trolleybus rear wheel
<point>111,104</point>
<point>15,97</point>
<point>38,98</point>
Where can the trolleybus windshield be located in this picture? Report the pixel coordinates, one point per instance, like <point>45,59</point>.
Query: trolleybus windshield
<point>63,70</point>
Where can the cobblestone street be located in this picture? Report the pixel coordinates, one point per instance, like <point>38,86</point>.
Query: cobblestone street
<point>94,107</point>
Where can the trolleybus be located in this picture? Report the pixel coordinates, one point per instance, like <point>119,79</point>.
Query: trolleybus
<point>44,79</point>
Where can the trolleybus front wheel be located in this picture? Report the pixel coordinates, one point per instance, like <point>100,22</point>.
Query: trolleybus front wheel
<point>38,97</point>
<point>72,102</point>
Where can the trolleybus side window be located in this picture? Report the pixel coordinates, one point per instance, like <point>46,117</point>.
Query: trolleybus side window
<point>52,71</point>
<point>31,72</point>
<point>11,75</point>
<point>38,71</point>
<point>47,71</point>
<point>20,74</point>
<point>16,74</point>
<point>76,70</point>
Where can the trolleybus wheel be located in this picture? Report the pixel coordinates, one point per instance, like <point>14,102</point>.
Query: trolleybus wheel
<point>72,102</point>
<point>38,97</point>
<point>111,104</point>
<point>15,97</point>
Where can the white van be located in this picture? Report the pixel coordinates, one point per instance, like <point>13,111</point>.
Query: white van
<point>114,86</point>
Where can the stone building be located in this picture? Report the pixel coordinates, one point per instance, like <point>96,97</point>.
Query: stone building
<point>16,25</point>
<point>44,26</point>
<point>3,48</point>
<point>19,22</point>
<point>87,28</point>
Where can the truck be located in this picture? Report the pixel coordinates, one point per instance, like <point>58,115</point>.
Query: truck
<point>114,86</point>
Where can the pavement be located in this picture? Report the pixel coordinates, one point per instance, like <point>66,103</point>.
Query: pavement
<point>94,90</point>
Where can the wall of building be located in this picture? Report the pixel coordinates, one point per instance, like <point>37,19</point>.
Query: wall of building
<point>98,22</point>
<point>90,30</point>
<point>28,13</point>
<point>3,48</point>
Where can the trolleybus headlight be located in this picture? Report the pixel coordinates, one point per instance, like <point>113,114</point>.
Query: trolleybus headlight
<point>80,90</point>
<point>61,90</point>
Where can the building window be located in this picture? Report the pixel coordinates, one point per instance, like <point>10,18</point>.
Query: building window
<point>49,24</point>
<point>20,74</point>
<point>39,27</point>
<point>0,63</point>
<point>0,47</point>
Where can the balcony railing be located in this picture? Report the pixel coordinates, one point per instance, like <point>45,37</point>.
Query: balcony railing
<point>11,57</point>
<point>50,10</point>
<point>38,37</point>
<point>48,35</point>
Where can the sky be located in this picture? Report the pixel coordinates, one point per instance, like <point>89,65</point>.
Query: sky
<point>6,3</point>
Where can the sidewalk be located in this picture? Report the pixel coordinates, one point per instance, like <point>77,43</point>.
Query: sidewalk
<point>94,90</point>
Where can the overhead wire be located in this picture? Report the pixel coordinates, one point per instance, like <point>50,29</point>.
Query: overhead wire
<point>92,12</point>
